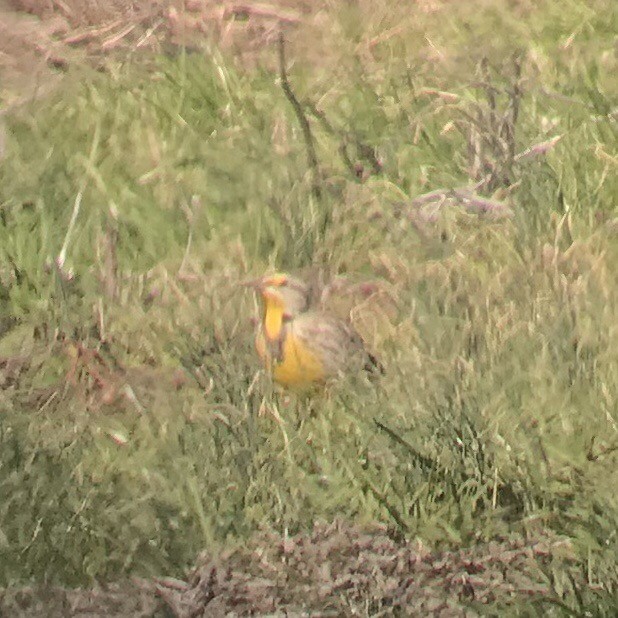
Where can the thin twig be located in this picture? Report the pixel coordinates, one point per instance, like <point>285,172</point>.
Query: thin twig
<point>91,33</point>
<point>261,10</point>
<point>466,197</point>
<point>63,252</point>
<point>425,462</point>
<point>148,34</point>
<point>538,149</point>
<point>392,511</point>
<point>365,150</point>
<point>343,148</point>
<point>312,158</point>
<point>116,38</point>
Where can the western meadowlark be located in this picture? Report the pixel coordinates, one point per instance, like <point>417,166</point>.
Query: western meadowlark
<point>299,346</point>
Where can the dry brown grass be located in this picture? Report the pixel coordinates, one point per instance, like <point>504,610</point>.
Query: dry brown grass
<point>335,570</point>
<point>40,37</point>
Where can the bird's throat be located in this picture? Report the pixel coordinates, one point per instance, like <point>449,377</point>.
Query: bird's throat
<point>273,321</point>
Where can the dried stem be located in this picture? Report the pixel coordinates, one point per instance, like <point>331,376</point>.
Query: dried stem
<point>365,150</point>
<point>467,198</point>
<point>312,158</point>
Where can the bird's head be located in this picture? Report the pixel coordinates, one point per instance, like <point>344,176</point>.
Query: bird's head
<point>282,291</point>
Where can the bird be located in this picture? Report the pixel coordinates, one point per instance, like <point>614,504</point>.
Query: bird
<point>303,347</point>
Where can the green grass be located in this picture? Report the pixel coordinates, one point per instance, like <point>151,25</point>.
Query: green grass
<point>499,335</point>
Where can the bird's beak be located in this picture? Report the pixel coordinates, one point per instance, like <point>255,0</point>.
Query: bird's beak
<point>255,284</point>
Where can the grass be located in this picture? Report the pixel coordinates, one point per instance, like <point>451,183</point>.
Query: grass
<point>130,436</point>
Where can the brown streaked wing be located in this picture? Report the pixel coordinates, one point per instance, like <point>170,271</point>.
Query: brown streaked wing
<point>338,344</point>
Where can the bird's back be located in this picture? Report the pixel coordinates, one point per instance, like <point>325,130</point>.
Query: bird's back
<point>335,343</point>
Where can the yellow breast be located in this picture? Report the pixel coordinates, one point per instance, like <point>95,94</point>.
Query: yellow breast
<point>297,367</point>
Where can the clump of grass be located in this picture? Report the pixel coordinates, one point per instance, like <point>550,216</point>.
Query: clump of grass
<point>137,428</point>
